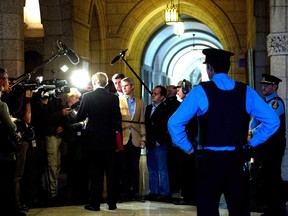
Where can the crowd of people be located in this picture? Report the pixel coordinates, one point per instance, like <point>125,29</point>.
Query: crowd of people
<point>198,140</point>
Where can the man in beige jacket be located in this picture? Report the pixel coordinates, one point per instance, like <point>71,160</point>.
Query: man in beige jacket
<point>134,137</point>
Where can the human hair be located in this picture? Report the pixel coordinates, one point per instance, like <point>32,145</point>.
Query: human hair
<point>129,80</point>
<point>221,66</point>
<point>163,90</point>
<point>3,71</point>
<point>100,79</point>
<point>73,92</point>
<point>118,76</point>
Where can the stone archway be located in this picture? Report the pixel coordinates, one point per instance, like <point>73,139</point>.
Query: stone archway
<point>145,17</point>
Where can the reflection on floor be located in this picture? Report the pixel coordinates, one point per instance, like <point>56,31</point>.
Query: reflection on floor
<point>125,209</point>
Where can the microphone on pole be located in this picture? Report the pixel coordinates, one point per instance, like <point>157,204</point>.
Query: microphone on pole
<point>118,57</point>
<point>74,59</point>
<point>71,55</point>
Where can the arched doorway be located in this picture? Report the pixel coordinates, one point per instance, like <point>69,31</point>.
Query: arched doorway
<point>169,58</point>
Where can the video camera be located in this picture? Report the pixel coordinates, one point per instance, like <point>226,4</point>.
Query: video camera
<point>54,87</point>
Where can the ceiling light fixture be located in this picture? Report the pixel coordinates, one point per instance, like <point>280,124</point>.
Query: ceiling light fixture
<point>172,13</point>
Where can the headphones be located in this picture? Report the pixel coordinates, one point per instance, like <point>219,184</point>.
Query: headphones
<point>185,89</point>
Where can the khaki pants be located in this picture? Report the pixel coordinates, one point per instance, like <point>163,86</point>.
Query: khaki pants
<point>53,159</point>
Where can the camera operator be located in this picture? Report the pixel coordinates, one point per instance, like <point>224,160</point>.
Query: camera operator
<point>52,129</point>
<point>27,140</point>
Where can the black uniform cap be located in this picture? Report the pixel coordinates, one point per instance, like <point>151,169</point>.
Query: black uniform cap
<point>269,79</point>
<point>216,56</point>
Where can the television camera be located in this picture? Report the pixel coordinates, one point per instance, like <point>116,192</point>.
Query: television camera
<point>54,87</point>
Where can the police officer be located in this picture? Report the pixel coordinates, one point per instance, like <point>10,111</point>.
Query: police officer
<point>223,107</point>
<point>266,169</point>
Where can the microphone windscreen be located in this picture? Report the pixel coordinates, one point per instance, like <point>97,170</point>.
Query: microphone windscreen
<point>73,58</point>
<point>115,59</point>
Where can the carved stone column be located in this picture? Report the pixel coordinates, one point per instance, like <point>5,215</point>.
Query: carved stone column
<point>277,46</point>
<point>12,36</point>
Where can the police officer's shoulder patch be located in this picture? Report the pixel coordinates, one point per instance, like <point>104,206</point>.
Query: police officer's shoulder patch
<point>275,104</point>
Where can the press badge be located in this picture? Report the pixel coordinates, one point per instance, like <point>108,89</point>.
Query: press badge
<point>34,145</point>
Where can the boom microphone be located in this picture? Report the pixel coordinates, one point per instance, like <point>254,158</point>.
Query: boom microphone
<point>74,59</point>
<point>118,57</point>
<point>71,55</point>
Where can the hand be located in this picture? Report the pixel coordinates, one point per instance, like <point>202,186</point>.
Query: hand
<point>66,111</point>
<point>59,130</point>
<point>14,119</point>
<point>45,97</point>
<point>28,93</point>
<point>191,151</point>
<point>142,144</point>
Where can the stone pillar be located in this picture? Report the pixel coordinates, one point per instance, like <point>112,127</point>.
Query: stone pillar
<point>12,36</point>
<point>277,46</point>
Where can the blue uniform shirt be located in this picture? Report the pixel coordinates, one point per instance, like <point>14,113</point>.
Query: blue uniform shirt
<point>196,102</point>
<point>276,105</point>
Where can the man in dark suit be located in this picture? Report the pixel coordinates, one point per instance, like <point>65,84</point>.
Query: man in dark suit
<point>104,120</point>
<point>156,118</point>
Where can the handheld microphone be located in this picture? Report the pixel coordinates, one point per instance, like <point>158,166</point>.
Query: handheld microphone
<point>71,55</point>
<point>118,57</point>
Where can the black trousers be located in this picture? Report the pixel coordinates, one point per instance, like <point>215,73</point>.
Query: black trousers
<point>222,173</point>
<point>7,194</point>
<point>268,183</point>
<point>100,163</point>
<point>129,166</point>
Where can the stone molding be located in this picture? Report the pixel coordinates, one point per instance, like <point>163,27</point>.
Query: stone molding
<point>277,44</point>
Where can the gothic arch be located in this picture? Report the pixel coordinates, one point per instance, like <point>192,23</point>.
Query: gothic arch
<point>97,36</point>
<point>147,16</point>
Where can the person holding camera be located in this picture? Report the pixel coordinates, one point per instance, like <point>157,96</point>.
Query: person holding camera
<point>8,151</point>
<point>53,116</point>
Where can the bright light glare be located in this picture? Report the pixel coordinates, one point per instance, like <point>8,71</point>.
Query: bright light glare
<point>179,28</point>
<point>32,14</point>
<point>80,78</point>
<point>64,68</point>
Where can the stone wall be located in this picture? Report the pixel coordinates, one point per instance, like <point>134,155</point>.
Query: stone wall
<point>278,51</point>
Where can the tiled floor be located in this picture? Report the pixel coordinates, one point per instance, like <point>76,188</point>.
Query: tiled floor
<point>125,209</point>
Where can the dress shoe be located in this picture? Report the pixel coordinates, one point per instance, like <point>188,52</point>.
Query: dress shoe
<point>112,207</point>
<point>137,197</point>
<point>184,202</point>
<point>92,208</point>
<point>151,197</point>
<point>123,198</point>
<point>22,207</point>
<point>19,213</point>
<point>164,198</point>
